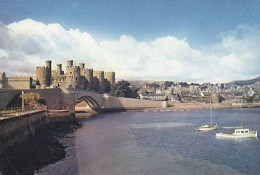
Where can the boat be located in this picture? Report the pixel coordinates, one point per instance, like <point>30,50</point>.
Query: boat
<point>209,127</point>
<point>238,133</point>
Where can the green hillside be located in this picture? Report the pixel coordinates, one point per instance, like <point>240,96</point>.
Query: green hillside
<point>245,82</point>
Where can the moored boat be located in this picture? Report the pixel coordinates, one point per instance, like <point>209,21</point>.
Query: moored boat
<point>209,127</point>
<point>238,133</point>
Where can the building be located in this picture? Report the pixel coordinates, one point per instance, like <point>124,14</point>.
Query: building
<point>152,96</point>
<point>15,82</point>
<point>76,77</point>
<point>19,82</point>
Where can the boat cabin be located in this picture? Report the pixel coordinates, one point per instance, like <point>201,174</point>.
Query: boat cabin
<point>241,131</point>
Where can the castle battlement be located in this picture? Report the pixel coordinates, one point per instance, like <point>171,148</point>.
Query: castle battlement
<point>109,72</point>
<point>77,77</point>
<point>99,75</point>
<point>41,67</point>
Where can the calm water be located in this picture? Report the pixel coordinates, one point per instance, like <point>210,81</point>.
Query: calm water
<point>161,143</point>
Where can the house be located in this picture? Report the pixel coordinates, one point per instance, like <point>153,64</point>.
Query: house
<point>251,92</point>
<point>152,96</point>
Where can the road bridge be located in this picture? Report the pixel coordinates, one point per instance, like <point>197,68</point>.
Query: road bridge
<point>66,98</point>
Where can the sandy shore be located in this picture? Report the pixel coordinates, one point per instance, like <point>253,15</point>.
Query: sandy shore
<point>197,106</point>
<point>180,107</point>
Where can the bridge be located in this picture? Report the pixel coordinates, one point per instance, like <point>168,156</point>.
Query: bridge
<point>66,98</point>
<point>17,125</point>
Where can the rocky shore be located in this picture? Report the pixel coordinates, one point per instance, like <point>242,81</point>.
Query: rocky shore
<point>39,150</point>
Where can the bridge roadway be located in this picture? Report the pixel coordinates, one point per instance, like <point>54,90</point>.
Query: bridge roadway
<point>66,98</point>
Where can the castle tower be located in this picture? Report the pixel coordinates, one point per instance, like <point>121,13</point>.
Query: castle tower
<point>3,80</point>
<point>59,69</point>
<point>41,75</point>
<point>82,69</point>
<point>48,72</point>
<point>100,77</point>
<point>73,75</point>
<point>110,76</point>
<point>110,80</point>
<point>89,77</point>
<point>69,63</point>
<point>82,65</point>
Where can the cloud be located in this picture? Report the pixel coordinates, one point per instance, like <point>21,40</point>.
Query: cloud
<point>28,43</point>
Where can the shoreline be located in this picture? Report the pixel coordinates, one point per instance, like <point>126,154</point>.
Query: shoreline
<point>173,107</point>
<point>201,106</point>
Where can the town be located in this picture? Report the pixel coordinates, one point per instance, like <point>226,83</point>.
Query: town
<point>182,92</point>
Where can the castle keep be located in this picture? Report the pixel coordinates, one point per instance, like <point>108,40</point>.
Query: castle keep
<point>76,77</point>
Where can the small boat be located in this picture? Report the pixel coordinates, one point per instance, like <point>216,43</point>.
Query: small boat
<point>238,133</point>
<point>209,127</point>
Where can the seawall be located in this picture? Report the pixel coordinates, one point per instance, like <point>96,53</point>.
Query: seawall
<point>16,130</point>
<point>112,103</point>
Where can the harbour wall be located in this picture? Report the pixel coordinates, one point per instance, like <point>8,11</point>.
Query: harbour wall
<point>111,103</point>
<point>16,130</point>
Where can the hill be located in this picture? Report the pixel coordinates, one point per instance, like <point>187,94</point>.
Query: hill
<point>245,82</point>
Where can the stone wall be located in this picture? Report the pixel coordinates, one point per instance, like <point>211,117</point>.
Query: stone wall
<point>17,129</point>
<point>51,96</point>
<point>20,82</point>
<point>111,103</point>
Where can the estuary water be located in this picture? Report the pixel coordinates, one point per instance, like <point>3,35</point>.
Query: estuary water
<point>160,143</point>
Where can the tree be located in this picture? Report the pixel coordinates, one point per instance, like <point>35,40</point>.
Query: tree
<point>168,83</point>
<point>154,85</point>
<point>122,89</point>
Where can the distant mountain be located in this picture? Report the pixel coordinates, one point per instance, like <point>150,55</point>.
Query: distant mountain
<point>245,82</point>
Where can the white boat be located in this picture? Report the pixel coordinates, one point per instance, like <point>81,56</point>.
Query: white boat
<point>238,133</point>
<point>209,127</point>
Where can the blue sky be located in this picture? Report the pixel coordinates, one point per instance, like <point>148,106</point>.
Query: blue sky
<point>207,30</point>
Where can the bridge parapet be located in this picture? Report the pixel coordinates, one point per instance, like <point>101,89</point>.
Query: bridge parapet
<point>111,102</point>
<point>51,96</point>
<point>19,111</point>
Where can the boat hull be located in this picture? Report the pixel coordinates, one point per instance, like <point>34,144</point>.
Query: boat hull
<point>252,134</point>
<point>208,128</point>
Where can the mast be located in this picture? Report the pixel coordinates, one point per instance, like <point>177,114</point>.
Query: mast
<point>241,113</point>
<point>210,113</point>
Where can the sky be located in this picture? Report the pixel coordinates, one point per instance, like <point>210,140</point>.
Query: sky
<point>176,40</point>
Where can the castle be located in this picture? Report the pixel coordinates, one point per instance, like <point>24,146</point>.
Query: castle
<point>76,77</point>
